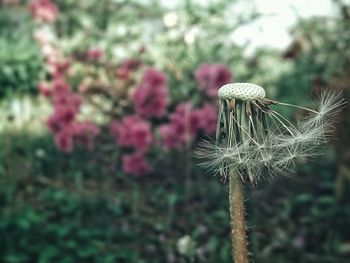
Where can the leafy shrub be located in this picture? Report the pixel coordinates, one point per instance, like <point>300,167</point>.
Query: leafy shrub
<point>21,65</point>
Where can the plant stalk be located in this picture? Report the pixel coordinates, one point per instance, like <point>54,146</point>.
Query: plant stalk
<point>237,213</point>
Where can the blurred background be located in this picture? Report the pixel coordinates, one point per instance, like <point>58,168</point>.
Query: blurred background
<point>102,103</point>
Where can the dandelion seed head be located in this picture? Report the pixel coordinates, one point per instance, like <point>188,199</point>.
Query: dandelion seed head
<point>257,142</point>
<point>241,91</point>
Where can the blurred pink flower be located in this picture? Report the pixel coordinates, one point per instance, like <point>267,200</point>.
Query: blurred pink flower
<point>85,132</point>
<point>151,96</point>
<point>60,119</point>
<point>153,78</point>
<point>211,77</point>
<point>150,101</point>
<point>168,136</point>
<point>69,100</point>
<point>208,117</point>
<point>123,73</point>
<point>60,86</point>
<point>58,69</point>
<point>183,127</point>
<point>132,131</point>
<point>44,10</point>
<point>66,107</point>
<point>126,69</point>
<point>135,164</point>
<point>94,54</point>
<point>186,120</point>
<point>64,140</point>
<point>45,89</point>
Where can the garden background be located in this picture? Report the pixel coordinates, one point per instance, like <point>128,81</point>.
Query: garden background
<point>102,103</point>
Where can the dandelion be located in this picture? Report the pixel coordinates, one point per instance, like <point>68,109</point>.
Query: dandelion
<point>254,141</point>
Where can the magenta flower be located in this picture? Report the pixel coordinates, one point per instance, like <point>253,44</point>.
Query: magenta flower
<point>208,117</point>
<point>151,101</point>
<point>154,78</point>
<point>135,164</point>
<point>132,131</point>
<point>126,69</point>
<point>59,86</point>
<point>183,127</point>
<point>61,119</point>
<point>186,120</point>
<point>69,100</point>
<point>151,96</point>
<point>64,140</point>
<point>169,137</point>
<point>85,132</point>
<point>211,77</point>
<point>66,107</point>
<point>44,10</point>
<point>59,69</point>
<point>45,89</point>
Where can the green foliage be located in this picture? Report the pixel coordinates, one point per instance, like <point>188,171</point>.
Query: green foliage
<point>59,209</point>
<point>21,65</point>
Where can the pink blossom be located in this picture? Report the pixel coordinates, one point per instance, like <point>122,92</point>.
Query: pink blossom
<point>66,107</point>
<point>69,100</point>
<point>135,164</point>
<point>126,69</point>
<point>44,10</point>
<point>151,96</point>
<point>59,69</point>
<point>154,78</point>
<point>151,101</point>
<point>94,54</point>
<point>211,77</point>
<point>132,131</point>
<point>124,73</point>
<point>186,120</point>
<point>208,117</point>
<point>45,89</point>
<point>60,86</point>
<point>168,136</point>
<point>64,140</point>
<point>61,118</point>
<point>85,132</point>
<point>183,127</point>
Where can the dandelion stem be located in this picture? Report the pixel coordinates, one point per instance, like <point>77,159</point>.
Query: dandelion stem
<point>237,213</point>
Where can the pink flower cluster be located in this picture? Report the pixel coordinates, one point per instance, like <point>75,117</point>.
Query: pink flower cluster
<point>186,123</point>
<point>58,68</point>
<point>44,10</point>
<point>136,164</point>
<point>150,100</point>
<point>211,77</point>
<point>63,122</point>
<point>133,132</point>
<point>151,96</point>
<point>136,133</point>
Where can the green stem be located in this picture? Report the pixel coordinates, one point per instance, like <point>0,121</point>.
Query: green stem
<point>237,213</point>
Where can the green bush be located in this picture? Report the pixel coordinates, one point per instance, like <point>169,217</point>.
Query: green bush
<point>21,64</point>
